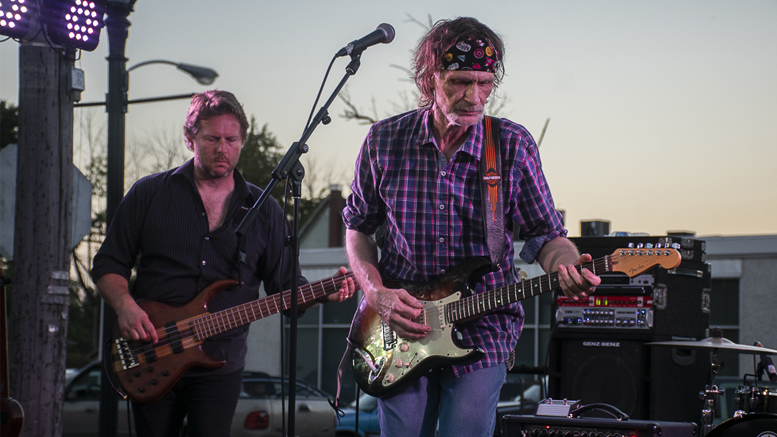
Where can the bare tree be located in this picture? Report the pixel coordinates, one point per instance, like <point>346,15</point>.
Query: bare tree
<point>408,99</point>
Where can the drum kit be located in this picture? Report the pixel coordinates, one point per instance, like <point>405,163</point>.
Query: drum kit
<point>756,413</point>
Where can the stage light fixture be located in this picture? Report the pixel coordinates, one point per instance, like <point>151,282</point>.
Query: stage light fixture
<point>15,17</point>
<point>75,23</point>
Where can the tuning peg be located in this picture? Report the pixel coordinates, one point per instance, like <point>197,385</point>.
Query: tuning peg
<point>648,245</point>
<point>631,246</point>
<point>676,246</point>
<point>640,246</point>
<point>658,245</point>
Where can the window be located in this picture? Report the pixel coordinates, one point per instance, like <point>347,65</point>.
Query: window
<point>724,314</point>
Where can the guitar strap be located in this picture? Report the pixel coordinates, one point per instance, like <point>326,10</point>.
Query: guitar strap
<point>492,195</point>
<point>491,192</point>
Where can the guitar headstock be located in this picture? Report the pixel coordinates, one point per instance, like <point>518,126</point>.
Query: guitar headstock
<point>634,261</point>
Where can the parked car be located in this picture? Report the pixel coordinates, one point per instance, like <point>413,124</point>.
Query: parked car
<point>518,395</point>
<point>258,412</point>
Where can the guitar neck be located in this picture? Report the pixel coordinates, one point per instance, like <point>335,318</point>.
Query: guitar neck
<point>221,321</point>
<point>479,304</point>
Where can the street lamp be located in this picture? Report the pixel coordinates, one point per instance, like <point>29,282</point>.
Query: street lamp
<point>203,75</point>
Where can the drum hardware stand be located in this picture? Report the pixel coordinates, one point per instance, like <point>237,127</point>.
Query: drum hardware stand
<point>710,397</point>
<point>711,392</point>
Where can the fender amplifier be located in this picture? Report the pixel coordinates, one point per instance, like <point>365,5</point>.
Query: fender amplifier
<point>541,426</point>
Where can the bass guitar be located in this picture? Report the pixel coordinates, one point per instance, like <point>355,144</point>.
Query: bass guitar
<point>11,412</point>
<point>382,361</point>
<point>145,370</point>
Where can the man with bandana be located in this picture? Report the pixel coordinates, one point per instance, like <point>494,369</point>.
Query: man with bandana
<point>417,175</point>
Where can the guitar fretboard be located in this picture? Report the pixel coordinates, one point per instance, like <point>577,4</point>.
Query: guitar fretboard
<point>211,324</point>
<point>478,304</point>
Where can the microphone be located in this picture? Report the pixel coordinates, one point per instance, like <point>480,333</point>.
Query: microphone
<point>383,34</point>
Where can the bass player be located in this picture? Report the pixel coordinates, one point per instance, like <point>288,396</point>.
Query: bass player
<point>179,226</point>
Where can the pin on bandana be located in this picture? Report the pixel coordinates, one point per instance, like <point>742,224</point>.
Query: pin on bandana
<point>471,54</point>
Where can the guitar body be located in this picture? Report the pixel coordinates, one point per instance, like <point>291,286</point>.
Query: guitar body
<point>11,418</point>
<point>146,376</point>
<point>11,411</point>
<point>383,361</point>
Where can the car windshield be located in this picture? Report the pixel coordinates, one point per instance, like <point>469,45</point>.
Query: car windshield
<point>85,386</point>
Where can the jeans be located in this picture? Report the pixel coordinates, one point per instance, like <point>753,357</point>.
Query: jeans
<point>465,406</point>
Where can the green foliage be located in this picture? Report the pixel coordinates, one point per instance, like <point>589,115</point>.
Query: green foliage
<point>9,124</point>
<point>261,154</point>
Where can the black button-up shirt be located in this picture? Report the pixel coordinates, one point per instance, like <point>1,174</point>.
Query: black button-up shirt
<point>162,219</point>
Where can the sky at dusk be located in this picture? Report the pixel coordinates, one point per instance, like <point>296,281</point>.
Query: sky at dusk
<point>662,113</point>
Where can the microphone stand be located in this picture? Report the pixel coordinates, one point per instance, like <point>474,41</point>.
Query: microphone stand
<point>290,167</point>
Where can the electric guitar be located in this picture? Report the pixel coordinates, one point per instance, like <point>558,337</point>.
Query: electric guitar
<point>382,361</point>
<point>145,370</point>
<point>11,412</point>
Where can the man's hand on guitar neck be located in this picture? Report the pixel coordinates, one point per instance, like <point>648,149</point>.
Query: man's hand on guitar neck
<point>574,284</point>
<point>560,254</point>
<point>132,320</point>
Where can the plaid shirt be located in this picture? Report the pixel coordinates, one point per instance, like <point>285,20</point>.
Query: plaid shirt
<point>433,213</point>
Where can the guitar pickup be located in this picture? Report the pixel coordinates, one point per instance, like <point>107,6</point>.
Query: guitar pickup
<point>389,336</point>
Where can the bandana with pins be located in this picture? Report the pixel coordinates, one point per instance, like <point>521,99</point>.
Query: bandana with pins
<point>471,53</point>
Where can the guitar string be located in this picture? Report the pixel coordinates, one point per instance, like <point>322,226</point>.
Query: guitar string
<point>472,305</point>
<point>597,266</point>
<point>201,321</point>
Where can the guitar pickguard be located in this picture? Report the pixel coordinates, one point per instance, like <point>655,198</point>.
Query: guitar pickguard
<point>386,361</point>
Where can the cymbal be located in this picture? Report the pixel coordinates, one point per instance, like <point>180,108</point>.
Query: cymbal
<point>716,343</point>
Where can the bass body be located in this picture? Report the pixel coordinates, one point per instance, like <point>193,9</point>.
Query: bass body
<point>145,371</point>
<point>383,362</point>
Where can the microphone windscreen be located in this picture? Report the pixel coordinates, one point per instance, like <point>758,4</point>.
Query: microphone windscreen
<point>388,30</point>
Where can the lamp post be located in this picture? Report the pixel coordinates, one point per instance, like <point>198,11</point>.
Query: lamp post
<point>116,24</point>
<point>116,106</point>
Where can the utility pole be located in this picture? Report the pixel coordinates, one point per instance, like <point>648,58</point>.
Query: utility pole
<point>44,188</point>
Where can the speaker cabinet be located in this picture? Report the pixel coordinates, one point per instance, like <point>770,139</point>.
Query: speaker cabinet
<point>645,382</point>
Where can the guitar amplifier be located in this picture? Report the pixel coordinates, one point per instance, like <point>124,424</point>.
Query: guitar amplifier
<point>541,426</point>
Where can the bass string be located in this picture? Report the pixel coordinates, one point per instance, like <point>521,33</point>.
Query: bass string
<point>222,321</point>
